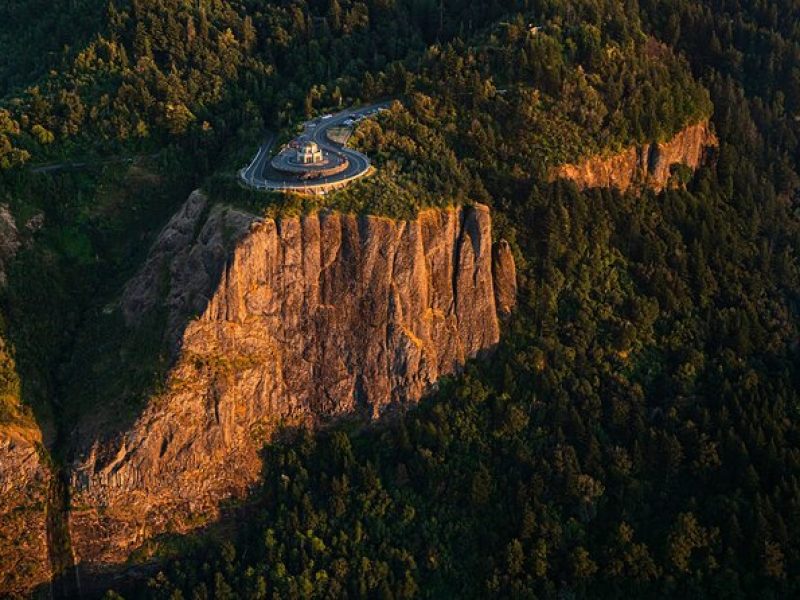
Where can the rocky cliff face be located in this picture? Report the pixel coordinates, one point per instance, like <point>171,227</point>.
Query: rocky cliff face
<point>13,238</point>
<point>648,165</point>
<point>24,480</point>
<point>288,322</point>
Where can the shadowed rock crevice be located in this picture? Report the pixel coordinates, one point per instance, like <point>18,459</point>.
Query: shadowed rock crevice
<point>296,322</point>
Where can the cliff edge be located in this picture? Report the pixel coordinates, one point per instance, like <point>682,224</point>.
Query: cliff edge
<point>280,322</point>
<point>648,165</point>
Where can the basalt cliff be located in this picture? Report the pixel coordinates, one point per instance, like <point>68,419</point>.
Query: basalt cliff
<point>24,486</point>
<point>648,165</point>
<point>25,478</point>
<point>273,323</point>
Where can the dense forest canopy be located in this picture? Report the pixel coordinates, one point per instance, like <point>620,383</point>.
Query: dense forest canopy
<point>567,79</point>
<point>637,431</point>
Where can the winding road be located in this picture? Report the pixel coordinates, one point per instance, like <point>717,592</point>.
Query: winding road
<point>260,175</point>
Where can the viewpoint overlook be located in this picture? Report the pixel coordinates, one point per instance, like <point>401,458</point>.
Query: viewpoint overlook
<point>399,299</point>
<point>312,162</point>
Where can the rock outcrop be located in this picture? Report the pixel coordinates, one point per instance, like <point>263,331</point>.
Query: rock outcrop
<point>648,165</point>
<point>13,238</point>
<point>281,322</point>
<point>505,278</point>
<point>24,480</point>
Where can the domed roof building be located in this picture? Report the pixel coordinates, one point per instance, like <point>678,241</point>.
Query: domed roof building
<point>309,153</point>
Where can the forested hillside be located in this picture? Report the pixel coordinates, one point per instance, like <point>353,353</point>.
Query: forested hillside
<point>636,432</point>
<point>160,69</point>
<point>39,35</point>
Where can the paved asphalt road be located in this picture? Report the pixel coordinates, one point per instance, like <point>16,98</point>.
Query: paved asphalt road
<point>260,174</point>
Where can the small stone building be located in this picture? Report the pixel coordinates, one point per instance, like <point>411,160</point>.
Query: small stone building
<point>309,153</point>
